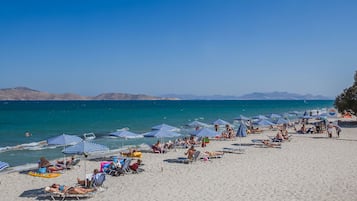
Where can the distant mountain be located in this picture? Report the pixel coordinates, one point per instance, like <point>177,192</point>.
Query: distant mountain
<point>24,93</point>
<point>254,96</point>
<point>282,96</point>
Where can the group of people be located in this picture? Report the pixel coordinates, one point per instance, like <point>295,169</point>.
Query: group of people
<point>116,167</point>
<point>228,133</point>
<point>330,127</point>
<point>57,166</point>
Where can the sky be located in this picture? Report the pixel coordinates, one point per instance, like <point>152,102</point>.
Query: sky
<point>199,47</point>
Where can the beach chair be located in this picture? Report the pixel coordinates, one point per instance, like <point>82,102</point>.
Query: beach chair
<point>125,167</point>
<point>98,180</point>
<point>3,165</point>
<point>233,150</point>
<point>212,155</point>
<point>185,160</point>
<point>62,196</point>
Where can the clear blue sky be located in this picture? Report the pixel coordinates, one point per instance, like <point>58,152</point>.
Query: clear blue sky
<point>175,46</point>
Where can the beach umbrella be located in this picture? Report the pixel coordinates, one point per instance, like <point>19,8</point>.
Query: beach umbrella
<point>241,117</point>
<point>165,127</point>
<point>220,122</point>
<point>282,121</point>
<point>162,133</point>
<point>295,112</point>
<point>205,132</point>
<point>195,124</point>
<point>305,117</point>
<point>274,116</point>
<point>242,130</point>
<point>264,122</point>
<point>85,148</point>
<point>126,134</point>
<point>3,165</point>
<point>261,117</point>
<point>64,140</point>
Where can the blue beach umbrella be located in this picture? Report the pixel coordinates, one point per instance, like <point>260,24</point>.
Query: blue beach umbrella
<point>220,122</point>
<point>197,124</point>
<point>205,132</point>
<point>64,139</point>
<point>274,116</point>
<point>261,117</point>
<point>282,121</point>
<point>241,117</point>
<point>264,122</point>
<point>165,127</point>
<point>85,147</point>
<point>242,130</point>
<point>126,134</point>
<point>162,133</point>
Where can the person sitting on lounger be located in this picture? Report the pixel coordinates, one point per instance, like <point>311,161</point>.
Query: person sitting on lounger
<point>190,152</point>
<point>56,188</point>
<point>269,144</point>
<point>135,165</point>
<point>279,136</point>
<point>157,147</point>
<point>89,178</point>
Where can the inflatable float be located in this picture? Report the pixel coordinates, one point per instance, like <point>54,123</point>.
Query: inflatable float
<point>44,175</point>
<point>136,154</point>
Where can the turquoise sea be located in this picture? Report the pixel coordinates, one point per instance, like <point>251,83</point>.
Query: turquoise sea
<point>44,119</point>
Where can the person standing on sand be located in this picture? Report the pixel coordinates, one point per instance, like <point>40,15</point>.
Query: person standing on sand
<point>330,127</point>
<point>338,131</point>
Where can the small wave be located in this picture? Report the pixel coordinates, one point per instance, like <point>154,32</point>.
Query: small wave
<point>26,146</point>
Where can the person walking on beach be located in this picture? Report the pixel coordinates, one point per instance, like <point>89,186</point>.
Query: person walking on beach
<point>330,127</point>
<point>338,131</point>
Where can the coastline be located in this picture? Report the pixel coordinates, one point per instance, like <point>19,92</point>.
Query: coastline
<point>309,167</point>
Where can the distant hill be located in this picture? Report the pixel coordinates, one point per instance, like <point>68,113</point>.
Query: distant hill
<point>254,96</point>
<point>24,93</point>
<point>282,96</point>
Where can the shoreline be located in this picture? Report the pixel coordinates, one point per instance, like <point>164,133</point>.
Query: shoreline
<point>309,167</point>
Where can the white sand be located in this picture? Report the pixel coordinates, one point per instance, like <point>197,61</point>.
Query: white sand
<point>310,167</point>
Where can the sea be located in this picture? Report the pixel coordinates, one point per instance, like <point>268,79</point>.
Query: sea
<point>45,119</point>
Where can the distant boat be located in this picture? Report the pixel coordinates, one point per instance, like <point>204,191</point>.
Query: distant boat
<point>89,136</point>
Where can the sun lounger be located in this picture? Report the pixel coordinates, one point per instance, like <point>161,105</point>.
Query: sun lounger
<point>234,151</point>
<point>261,144</point>
<point>213,155</point>
<point>185,160</point>
<point>63,196</point>
<point>3,165</point>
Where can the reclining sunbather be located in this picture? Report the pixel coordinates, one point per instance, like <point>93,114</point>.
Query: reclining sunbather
<point>68,161</point>
<point>213,153</point>
<point>44,163</point>
<point>269,144</point>
<point>56,188</point>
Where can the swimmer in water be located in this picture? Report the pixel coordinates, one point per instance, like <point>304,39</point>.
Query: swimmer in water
<point>28,134</point>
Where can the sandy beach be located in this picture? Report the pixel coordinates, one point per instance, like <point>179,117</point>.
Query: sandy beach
<point>309,167</point>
